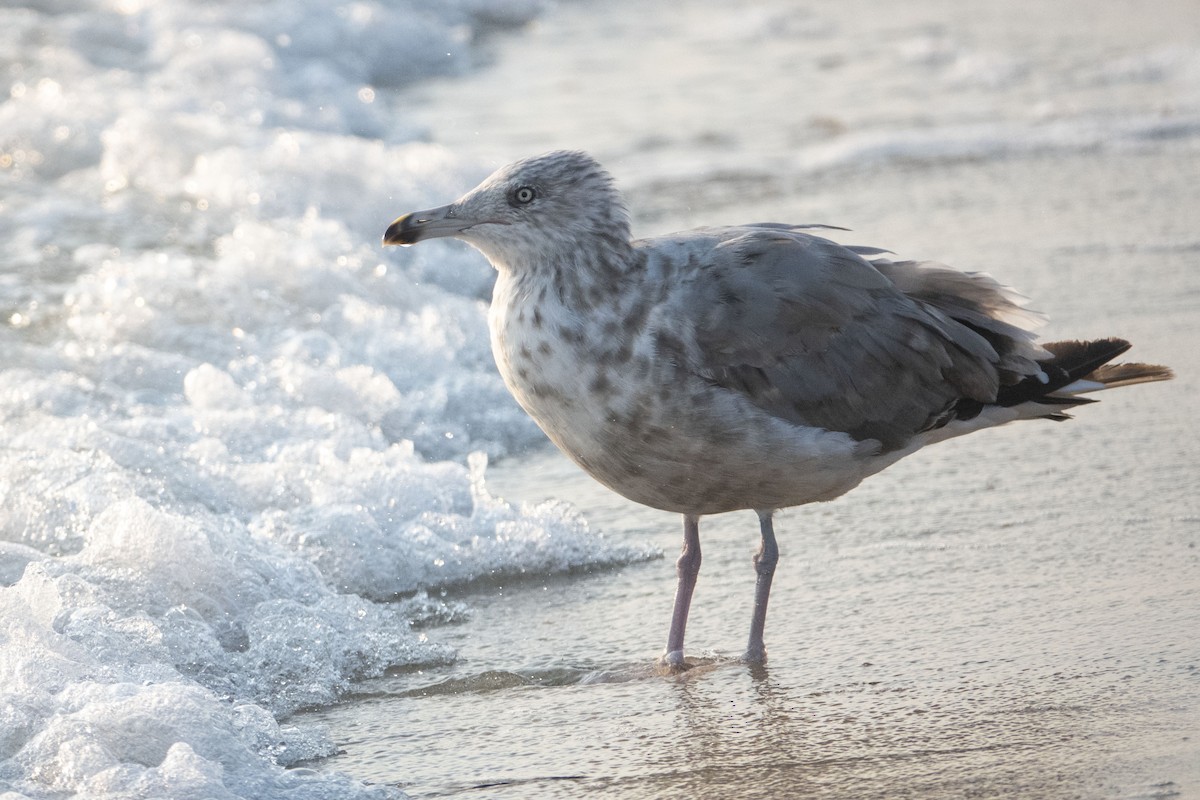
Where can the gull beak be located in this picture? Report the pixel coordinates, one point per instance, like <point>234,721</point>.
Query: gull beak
<point>431,224</point>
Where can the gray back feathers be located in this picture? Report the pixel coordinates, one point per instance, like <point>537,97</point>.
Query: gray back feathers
<point>812,332</point>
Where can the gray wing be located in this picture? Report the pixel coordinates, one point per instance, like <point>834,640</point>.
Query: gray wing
<point>812,332</point>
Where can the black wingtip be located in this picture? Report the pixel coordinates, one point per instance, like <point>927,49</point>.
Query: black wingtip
<point>1075,360</point>
<point>1079,358</point>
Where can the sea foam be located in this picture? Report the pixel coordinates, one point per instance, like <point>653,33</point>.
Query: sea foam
<point>237,437</point>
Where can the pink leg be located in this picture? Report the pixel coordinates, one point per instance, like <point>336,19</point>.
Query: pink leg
<point>764,565</point>
<point>687,567</point>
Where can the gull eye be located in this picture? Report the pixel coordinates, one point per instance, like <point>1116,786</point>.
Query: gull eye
<point>523,195</point>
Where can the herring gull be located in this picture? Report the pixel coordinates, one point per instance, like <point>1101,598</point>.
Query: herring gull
<point>756,366</point>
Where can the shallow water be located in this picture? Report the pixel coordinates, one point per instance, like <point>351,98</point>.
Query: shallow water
<point>1013,614</point>
<point>233,429</point>
<point>918,648</point>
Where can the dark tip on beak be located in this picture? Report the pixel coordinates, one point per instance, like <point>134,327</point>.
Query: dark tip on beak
<point>418,226</point>
<point>402,232</point>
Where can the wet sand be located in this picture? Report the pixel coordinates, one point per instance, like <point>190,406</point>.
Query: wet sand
<point>1011,614</point>
<point>1014,614</point>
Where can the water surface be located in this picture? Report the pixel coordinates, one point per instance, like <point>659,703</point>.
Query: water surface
<point>1009,615</point>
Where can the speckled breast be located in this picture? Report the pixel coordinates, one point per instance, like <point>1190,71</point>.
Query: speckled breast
<point>646,428</point>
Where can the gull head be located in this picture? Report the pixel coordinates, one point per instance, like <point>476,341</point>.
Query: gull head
<point>540,211</point>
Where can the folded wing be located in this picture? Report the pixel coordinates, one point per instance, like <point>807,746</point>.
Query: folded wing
<point>815,333</point>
